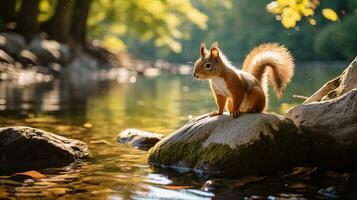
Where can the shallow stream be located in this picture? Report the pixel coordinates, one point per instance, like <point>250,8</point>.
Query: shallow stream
<point>95,112</point>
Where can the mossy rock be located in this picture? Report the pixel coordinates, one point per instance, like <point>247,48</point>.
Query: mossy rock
<point>250,144</point>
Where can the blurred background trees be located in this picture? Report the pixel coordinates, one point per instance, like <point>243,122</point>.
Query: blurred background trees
<point>172,30</point>
<point>242,24</point>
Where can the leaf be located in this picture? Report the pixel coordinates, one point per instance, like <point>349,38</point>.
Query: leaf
<point>27,175</point>
<point>273,7</point>
<point>176,187</point>
<point>330,14</point>
<point>307,11</point>
<point>290,17</point>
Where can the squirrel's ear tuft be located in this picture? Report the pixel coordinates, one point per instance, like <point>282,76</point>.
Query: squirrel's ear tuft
<point>214,52</point>
<point>203,50</point>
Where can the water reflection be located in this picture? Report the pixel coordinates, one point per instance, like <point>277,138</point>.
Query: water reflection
<point>95,111</point>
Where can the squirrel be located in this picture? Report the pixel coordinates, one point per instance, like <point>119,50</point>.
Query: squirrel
<point>245,90</point>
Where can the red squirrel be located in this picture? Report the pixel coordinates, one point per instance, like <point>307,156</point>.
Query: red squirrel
<point>245,90</point>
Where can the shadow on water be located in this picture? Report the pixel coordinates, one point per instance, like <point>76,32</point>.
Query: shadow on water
<point>94,110</point>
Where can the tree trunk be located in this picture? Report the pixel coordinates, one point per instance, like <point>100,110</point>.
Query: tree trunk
<point>79,21</point>
<point>59,24</point>
<point>7,10</point>
<point>27,18</point>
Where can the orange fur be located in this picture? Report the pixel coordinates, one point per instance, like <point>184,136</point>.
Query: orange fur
<point>273,59</point>
<point>245,90</point>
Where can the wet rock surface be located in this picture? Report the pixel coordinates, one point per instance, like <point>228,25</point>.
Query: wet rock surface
<point>27,146</point>
<point>138,138</point>
<point>249,144</point>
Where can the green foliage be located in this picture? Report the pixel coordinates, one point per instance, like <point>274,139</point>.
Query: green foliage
<point>46,10</point>
<point>239,26</point>
<point>290,12</point>
<point>160,21</point>
<point>141,26</point>
<point>338,40</point>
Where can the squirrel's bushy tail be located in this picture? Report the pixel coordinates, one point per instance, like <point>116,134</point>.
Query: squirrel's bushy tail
<point>273,60</point>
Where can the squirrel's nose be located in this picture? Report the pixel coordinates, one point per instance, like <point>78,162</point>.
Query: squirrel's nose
<point>195,75</point>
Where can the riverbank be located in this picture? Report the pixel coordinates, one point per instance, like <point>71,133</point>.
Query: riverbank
<point>43,60</point>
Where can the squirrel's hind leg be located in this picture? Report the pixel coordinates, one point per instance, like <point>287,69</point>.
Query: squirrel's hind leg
<point>256,100</point>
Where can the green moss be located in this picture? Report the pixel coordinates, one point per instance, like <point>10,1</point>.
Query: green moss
<point>175,152</point>
<point>261,156</point>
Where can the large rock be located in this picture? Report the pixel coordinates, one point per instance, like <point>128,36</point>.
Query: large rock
<point>331,126</point>
<point>29,146</point>
<point>12,43</point>
<point>329,119</point>
<point>249,144</point>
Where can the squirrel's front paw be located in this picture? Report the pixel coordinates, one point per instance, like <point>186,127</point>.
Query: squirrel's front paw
<point>215,113</point>
<point>234,113</point>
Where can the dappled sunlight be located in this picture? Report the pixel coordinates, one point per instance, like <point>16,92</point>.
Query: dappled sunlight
<point>291,12</point>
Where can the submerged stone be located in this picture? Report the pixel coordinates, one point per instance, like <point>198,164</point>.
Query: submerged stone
<point>27,146</point>
<point>250,144</point>
<point>138,138</point>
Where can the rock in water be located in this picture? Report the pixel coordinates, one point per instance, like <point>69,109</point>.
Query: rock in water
<point>12,43</point>
<point>27,146</point>
<point>249,144</point>
<point>138,138</point>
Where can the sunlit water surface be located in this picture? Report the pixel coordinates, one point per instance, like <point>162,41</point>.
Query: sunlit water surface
<point>92,111</point>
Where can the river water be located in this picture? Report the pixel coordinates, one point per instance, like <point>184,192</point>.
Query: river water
<point>95,111</point>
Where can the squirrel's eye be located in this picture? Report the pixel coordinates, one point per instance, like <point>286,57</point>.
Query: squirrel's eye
<point>207,66</point>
